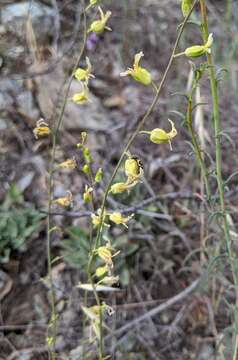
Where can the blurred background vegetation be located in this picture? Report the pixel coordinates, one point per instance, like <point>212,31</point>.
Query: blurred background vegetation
<point>160,253</point>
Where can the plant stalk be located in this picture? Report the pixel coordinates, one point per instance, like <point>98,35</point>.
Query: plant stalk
<point>50,193</point>
<point>132,138</point>
<point>217,131</point>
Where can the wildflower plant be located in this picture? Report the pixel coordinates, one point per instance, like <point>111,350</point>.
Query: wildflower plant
<point>102,251</point>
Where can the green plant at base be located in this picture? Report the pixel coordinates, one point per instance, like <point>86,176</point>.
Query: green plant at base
<point>76,249</point>
<point>18,221</point>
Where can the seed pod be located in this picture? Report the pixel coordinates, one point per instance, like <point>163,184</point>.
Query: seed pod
<point>195,51</point>
<point>199,50</point>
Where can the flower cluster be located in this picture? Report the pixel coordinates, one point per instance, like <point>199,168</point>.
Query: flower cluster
<point>116,217</point>
<point>83,76</point>
<point>93,314</point>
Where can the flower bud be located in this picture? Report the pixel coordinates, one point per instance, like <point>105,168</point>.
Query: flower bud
<point>186,6</point>
<point>102,270</point>
<point>86,169</point>
<point>99,175</point>
<point>87,155</point>
<point>84,136</point>
<point>87,196</point>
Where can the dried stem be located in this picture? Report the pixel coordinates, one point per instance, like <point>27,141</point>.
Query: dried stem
<point>55,133</point>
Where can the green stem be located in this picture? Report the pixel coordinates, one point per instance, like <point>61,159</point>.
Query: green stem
<point>142,122</point>
<point>197,148</point>
<point>50,194</point>
<point>217,130</point>
<point>132,138</point>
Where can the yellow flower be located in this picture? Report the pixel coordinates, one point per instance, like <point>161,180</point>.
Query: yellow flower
<point>84,74</point>
<point>68,164</point>
<point>105,253</point>
<point>82,97</point>
<point>118,219</point>
<point>199,50</point>
<point>160,136</point>
<point>119,188</point>
<point>138,73</point>
<point>186,6</point>
<point>93,312</point>
<point>133,168</point>
<point>96,219</point>
<point>65,201</point>
<point>87,196</point>
<point>42,129</point>
<point>99,175</point>
<point>99,26</point>
<point>102,270</point>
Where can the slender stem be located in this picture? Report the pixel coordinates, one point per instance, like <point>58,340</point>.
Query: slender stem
<point>197,148</point>
<point>131,140</point>
<point>50,192</point>
<point>143,120</point>
<point>217,130</point>
<point>235,355</point>
<point>179,54</point>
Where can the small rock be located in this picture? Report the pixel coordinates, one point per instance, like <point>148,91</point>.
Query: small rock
<point>206,352</point>
<point>3,124</point>
<point>76,353</point>
<point>5,101</point>
<point>26,104</point>
<point>14,17</point>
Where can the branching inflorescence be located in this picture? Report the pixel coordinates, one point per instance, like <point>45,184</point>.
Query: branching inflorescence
<point>100,269</point>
